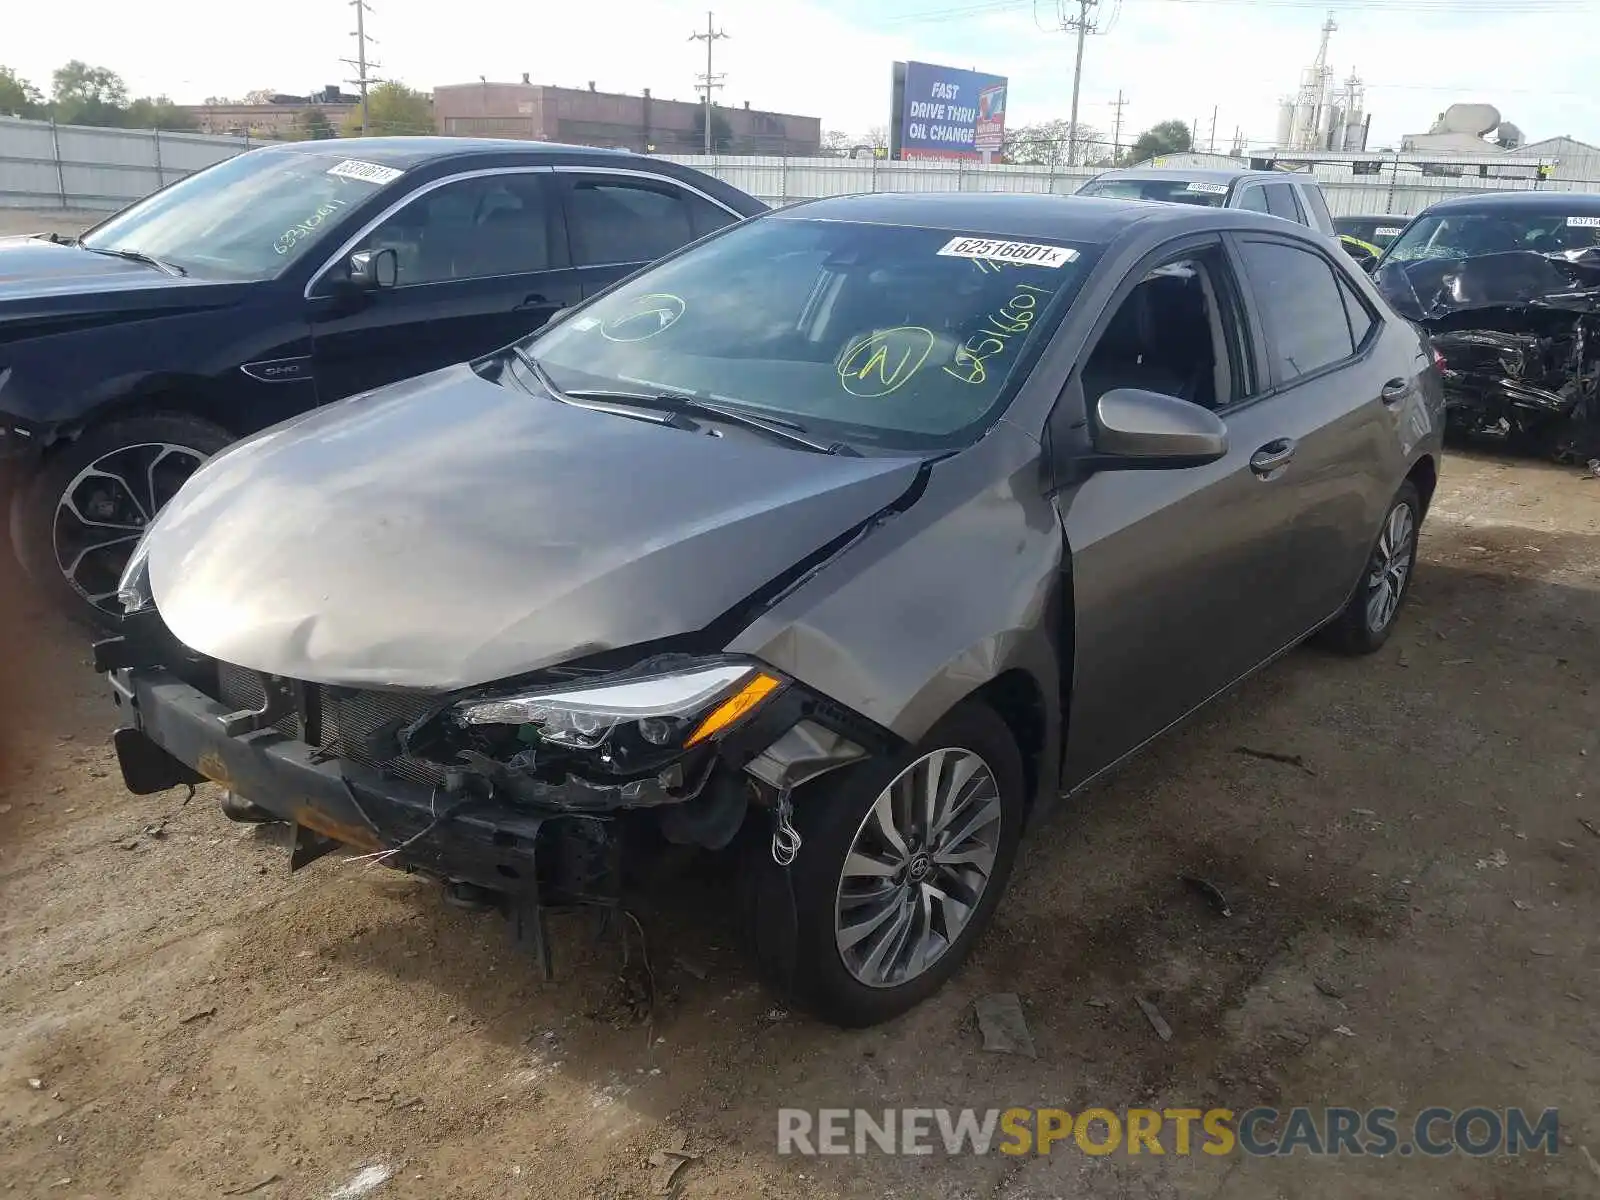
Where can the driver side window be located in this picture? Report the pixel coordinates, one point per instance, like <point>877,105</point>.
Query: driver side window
<point>469,229</point>
<point>1178,333</point>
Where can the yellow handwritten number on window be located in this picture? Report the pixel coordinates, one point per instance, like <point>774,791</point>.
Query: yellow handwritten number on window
<point>881,362</point>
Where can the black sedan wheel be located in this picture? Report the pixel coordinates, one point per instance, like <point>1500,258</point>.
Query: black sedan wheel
<point>76,522</point>
<point>901,866</point>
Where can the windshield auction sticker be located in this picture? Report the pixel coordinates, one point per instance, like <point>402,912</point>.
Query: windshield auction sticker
<point>1583,222</point>
<point>354,168</point>
<point>1023,254</point>
<point>1210,189</point>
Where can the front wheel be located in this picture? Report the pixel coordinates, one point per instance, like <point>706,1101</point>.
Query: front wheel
<point>900,869</point>
<point>75,523</point>
<point>1369,618</point>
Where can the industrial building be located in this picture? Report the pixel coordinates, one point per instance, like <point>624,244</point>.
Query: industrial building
<point>1319,116</point>
<point>587,117</point>
<point>275,119</point>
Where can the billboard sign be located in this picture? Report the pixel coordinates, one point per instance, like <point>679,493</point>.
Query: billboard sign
<point>945,112</point>
<point>991,129</point>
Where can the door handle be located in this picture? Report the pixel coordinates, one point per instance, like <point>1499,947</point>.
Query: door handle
<point>1272,458</point>
<point>1395,391</point>
<point>537,300</point>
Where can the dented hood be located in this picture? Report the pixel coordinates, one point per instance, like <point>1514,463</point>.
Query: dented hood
<point>449,531</point>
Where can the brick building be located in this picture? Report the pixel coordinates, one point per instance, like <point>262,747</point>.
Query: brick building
<point>275,119</point>
<point>578,116</point>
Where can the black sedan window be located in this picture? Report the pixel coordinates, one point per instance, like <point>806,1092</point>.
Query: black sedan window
<point>890,334</point>
<point>1467,235</point>
<point>1171,191</point>
<point>247,218</point>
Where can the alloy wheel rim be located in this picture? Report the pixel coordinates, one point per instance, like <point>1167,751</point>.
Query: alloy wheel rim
<point>918,867</point>
<point>1390,568</point>
<point>102,513</point>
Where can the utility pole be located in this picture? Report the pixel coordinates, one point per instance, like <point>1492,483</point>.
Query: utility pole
<point>1212,144</point>
<point>710,37</point>
<point>1080,24</point>
<point>360,62</point>
<point>1116,129</point>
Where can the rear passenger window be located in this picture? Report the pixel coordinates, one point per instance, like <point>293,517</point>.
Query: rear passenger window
<point>1301,305</point>
<point>1281,203</point>
<point>613,220</point>
<point>1361,318</point>
<point>1316,207</point>
<point>1253,199</point>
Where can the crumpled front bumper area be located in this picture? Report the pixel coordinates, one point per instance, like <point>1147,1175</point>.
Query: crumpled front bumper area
<point>174,735</point>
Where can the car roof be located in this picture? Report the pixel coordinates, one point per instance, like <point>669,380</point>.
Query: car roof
<point>1089,219</point>
<point>414,151</point>
<point>1197,174</point>
<point>1556,204</point>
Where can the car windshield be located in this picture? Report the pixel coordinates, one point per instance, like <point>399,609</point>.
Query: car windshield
<point>1171,191</point>
<point>1380,231</point>
<point>892,335</point>
<point>1467,235</point>
<point>247,218</point>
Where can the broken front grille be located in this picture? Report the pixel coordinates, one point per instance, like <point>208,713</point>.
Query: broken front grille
<point>353,721</point>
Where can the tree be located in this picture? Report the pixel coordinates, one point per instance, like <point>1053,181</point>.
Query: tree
<point>721,131</point>
<point>259,96</point>
<point>76,82</point>
<point>158,112</point>
<point>392,108</point>
<point>18,97</point>
<point>878,137</point>
<point>836,141</point>
<point>1045,144</point>
<point>1169,137</point>
<point>313,125</point>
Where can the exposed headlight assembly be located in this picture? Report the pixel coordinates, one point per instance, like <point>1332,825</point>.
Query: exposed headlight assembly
<point>639,717</point>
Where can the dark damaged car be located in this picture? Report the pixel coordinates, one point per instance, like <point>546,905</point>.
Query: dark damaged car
<point>848,538</point>
<point>1507,286</point>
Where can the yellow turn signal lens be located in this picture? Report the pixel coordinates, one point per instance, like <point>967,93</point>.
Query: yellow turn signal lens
<point>734,707</point>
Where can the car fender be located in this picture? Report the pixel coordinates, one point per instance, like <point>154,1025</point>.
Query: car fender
<point>939,602</point>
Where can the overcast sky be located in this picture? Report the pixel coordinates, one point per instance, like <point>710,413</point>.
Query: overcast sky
<point>1174,59</point>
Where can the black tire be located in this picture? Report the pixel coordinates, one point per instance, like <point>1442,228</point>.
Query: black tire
<point>47,538</point>
<point>795,944</point>
<point>1353,631</point>
<point>236,808</point>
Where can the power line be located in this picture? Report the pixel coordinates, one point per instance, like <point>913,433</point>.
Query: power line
<point>1116,129</point>
<point>360,62</point>
<point>709,81</point>
<point>1080,24</point>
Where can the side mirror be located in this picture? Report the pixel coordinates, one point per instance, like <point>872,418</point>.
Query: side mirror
<point>374,270</point>
<point>1150,429</point>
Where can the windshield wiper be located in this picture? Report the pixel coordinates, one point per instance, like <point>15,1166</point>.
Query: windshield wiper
<point>138,256</point>
<point>678,404</point>
<point>673,419</point>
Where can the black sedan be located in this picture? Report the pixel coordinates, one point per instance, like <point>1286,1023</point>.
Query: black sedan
<point>280,280</point>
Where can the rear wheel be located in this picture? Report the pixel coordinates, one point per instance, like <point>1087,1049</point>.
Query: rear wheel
<point>1369,618</point>
<point>900,869</point>
<point>75,523</point>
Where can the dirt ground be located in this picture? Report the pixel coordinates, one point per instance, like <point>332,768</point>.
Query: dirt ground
<point>1413,923</point>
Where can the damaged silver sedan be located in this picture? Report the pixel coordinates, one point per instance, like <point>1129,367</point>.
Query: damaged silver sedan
<point>845,540</point>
